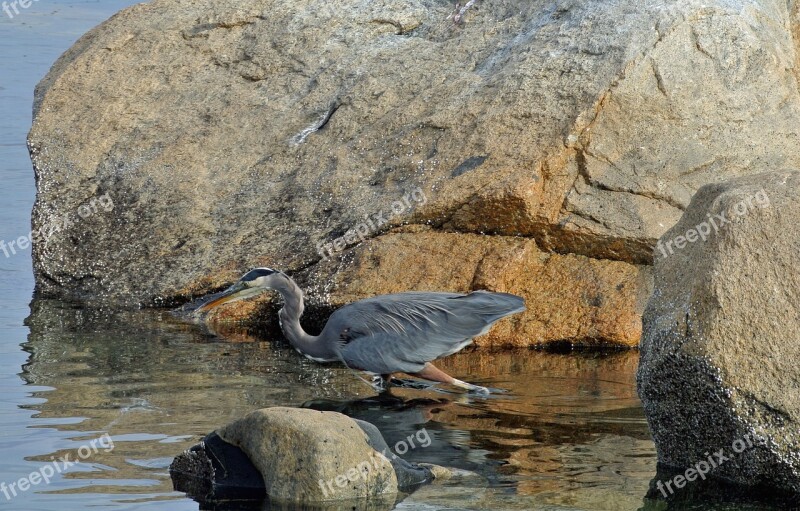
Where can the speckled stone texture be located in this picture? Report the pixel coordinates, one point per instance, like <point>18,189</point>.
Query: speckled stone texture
<point>253,132</point>
<point>217,470</point>
<point>299,451</point>
<point>721,341</point>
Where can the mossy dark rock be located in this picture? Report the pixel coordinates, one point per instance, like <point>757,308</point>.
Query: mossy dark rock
<point>719,365</point>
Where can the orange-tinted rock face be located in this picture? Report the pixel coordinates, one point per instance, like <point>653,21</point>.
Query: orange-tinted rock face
<point>569,298</point>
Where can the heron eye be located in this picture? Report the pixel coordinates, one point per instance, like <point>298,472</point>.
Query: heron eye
<point>256,273</point>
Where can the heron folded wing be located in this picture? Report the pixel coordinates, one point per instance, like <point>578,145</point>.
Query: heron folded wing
<point>380,354</point>
<point>402,332</point>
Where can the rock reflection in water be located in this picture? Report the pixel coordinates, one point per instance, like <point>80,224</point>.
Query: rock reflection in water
<point>570,430</point>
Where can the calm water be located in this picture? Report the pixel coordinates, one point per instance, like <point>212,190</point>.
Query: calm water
<point>570,434</point>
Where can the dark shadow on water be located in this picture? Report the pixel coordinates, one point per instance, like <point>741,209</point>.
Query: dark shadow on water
<point>410,428</point>
<point>380,504</point>
<point>712,494</point>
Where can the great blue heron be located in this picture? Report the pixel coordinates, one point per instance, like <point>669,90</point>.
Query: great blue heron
<point>385,334</point>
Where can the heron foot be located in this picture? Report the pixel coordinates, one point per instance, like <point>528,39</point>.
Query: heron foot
<point>477,389</point>
<point>433,373</point>
<point>472,389</point>
<point>413,384</point>
<point>379,383</point>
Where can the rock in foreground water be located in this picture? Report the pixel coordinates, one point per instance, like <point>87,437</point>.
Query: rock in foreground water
<point>719,366</point>
<point>301,455</point>
<point>228,135</point>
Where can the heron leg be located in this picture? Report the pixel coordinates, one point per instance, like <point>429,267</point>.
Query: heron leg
<point>381,382</point>
<point>433,373</point>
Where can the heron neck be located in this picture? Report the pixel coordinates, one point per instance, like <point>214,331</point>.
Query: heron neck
<point>289,317</point>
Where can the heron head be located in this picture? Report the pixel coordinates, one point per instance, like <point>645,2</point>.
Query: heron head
<point>250,284</point>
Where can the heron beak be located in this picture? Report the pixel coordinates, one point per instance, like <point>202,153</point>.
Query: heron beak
<point>236,292</point>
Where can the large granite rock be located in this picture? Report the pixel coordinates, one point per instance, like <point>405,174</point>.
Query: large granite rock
<point>244,133</point>
<point>720,350</point>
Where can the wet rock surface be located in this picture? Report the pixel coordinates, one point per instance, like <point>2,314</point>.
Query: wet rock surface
<point>295,449</point>
<point>237,134</point>
<point>718,371</point>
<point>217,471</point>
<point>302,455</point>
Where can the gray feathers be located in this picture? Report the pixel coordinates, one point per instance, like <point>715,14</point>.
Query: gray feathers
<point>255,273</point>
<point>384,334</point>
<point>402,332</point>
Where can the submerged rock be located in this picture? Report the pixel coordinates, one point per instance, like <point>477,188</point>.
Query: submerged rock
<point>718,375</point>
<point>227,135</point>
<point>297,455</point>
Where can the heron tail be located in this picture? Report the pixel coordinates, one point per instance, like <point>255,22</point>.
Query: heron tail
<point>494,306</point>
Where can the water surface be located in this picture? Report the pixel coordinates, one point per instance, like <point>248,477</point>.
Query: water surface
<point>568,433</point>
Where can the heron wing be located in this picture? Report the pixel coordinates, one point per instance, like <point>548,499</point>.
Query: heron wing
<point>402,332</point>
